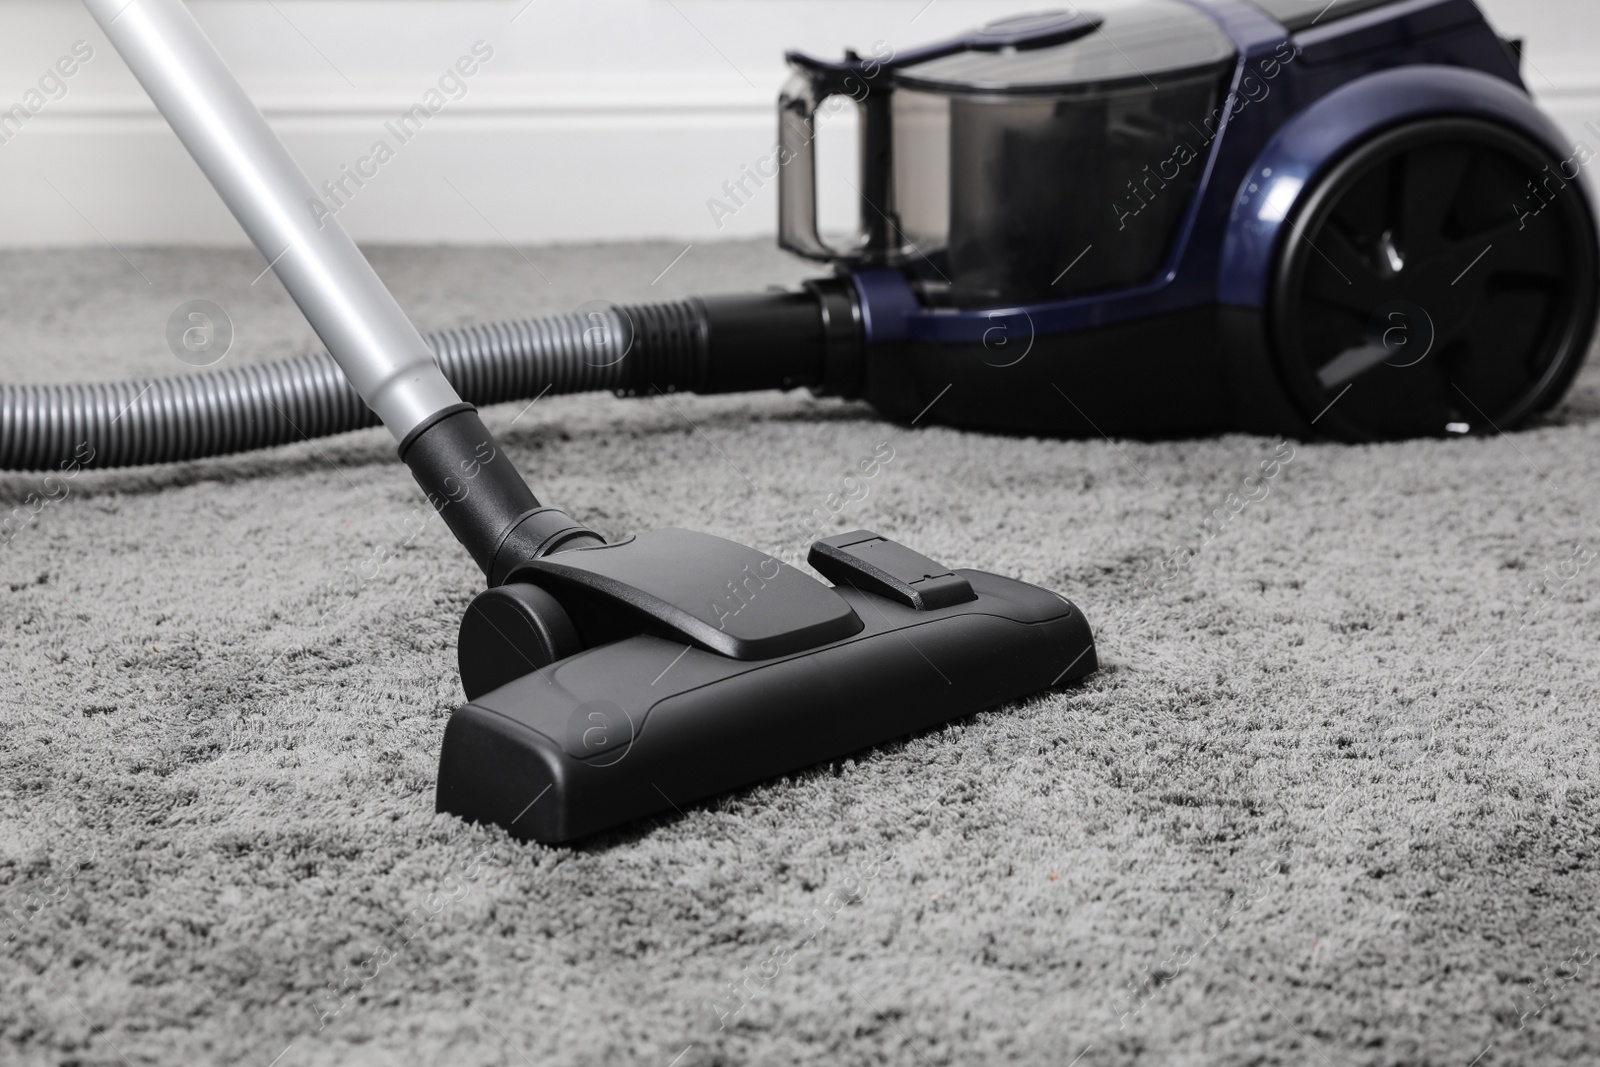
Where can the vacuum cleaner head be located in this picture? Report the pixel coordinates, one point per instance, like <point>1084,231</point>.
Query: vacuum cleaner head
<point>637,677</point>
<point>610,681</point>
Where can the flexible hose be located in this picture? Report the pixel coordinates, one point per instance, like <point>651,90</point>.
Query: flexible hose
<point>775,339</point>
<point>164,420</point>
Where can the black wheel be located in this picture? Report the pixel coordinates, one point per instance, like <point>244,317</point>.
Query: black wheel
<point>510,631</point>
<point>1440,279</point>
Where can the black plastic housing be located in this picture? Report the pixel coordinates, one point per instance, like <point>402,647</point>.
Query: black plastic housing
<point>1160,376</point>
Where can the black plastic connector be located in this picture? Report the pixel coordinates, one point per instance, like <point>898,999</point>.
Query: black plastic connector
<point>772,340</point>
<point>479,493</point>
<point>745,342</point>
<point>843,339</point>
<point>534,535</point>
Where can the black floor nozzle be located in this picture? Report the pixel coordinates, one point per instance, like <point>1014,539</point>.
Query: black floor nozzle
<point>706,666</point>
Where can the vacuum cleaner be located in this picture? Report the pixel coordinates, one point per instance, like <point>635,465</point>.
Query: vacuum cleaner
<point>1158,218</point>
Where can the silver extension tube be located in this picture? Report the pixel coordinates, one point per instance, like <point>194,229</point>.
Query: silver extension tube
<point>369,337</point>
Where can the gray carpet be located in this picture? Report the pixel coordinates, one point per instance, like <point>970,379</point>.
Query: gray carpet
<point>1332,799</point>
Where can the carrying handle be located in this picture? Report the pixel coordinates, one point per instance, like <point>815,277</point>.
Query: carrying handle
<point>802,97</point>
<point>797,170</point>
<point>869,82</point>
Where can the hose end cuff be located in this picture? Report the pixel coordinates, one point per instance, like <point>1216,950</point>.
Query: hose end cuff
<point>535,534</point>
<point>843,365</point>
<point>428,423</point>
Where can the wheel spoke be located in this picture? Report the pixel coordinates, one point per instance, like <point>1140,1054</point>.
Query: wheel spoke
<point>1338,274</point>
<point>1513,326</point>
<point>1368,209</point>
<point>1487,203</point>
<point>1431,178</point>
<point>1325,332</point>
<point>1525,254</point>
<point>1487,382</point>
<point>1399,400</point>
<point>1351,364</point>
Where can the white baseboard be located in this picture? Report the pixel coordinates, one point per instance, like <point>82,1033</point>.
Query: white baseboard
<point>616,169</point>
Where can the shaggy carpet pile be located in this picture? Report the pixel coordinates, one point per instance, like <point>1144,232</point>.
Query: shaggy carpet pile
<point>1331,799</point>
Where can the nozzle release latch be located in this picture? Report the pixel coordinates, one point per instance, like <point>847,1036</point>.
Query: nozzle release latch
<point>875,564</point>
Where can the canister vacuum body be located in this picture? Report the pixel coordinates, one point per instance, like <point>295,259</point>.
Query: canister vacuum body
<point>1182,217</point>
<point>1160,218</point>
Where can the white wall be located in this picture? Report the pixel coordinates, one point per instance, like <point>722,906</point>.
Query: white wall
<point>595,119</point>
